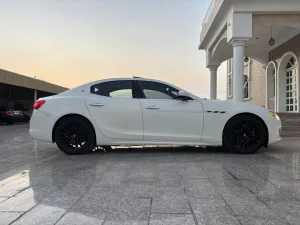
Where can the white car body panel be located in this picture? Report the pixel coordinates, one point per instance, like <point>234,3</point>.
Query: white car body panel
<point>128,122</point>
<point>117,118</point>
<point>172,120</point>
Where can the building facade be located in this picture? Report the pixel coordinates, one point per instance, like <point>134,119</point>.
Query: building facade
<point>260,42</point>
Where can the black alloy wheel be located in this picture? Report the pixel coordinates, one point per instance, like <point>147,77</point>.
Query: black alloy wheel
<point>75,135</point>
<point>244,134</point>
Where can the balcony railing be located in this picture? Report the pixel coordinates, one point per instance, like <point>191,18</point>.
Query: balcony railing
<point>209,16</point>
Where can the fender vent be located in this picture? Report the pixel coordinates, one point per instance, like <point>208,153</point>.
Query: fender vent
<point>215,111</point>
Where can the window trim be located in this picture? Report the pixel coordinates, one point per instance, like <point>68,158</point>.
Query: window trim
<point>229,73</point>
<point>249,80</point>
<point>143,94</point>
<point>103,96</point>
<point>144,97</point>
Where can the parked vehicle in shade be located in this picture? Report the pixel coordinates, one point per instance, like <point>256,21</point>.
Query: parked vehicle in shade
<point>10,116</point>
<point>137,111</point>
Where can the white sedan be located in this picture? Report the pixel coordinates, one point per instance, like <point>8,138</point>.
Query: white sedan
<point>137,111</point>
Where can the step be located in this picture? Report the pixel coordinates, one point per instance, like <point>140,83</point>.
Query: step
<point>290,134</point>
<point>290,128</point>
<point>290,123</point>
<point>288,114</point>
<point>285,123</point>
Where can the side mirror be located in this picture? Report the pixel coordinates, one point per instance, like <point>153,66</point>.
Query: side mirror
<point>183,95</point>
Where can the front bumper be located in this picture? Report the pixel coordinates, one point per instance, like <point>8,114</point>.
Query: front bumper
<point>274,129</point>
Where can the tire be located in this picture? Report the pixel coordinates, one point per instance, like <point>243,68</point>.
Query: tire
<point>244,134</point>
<point>75,135</point>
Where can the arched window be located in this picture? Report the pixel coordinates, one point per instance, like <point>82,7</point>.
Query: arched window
<point>291,63</point>
<point>273,82</point>
<point>291,86</point>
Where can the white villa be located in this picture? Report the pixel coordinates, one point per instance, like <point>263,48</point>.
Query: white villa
<point>260,40</point>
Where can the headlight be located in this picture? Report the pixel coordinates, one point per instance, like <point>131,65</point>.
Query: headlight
<point>274,115</point>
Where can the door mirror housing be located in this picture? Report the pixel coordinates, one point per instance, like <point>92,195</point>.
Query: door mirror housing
<point>184,96</point>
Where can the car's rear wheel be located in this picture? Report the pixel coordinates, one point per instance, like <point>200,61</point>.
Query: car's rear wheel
<point>74,135</point>
<point>244,134</point>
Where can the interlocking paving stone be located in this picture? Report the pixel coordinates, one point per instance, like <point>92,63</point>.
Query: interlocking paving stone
<point>41,185</point>
<point>14,187</point>
<point>134,210</point>
<point>191,171</point>
<point>41,215</point>
<point>169,180</point>
<point>2,199</point>
<point>200,188</point>
<point>72,218</point>
<point>217,220</point>
<point>170,204</point>
<point>210,207</point>
<point>245,220</point>
<point>289,210</point>
<point>265,190</point>
<point>25,200</point>
<point>172,219</point>
<point>259,209</point>
<point>8,217</point>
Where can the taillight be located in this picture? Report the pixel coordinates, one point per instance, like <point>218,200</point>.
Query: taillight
<point>38,104</point>
<point>9,112</point>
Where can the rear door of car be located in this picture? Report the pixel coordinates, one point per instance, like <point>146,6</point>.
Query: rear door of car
<point>115,109</point>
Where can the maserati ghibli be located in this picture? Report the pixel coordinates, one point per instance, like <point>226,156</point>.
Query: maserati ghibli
<point>138,111</point>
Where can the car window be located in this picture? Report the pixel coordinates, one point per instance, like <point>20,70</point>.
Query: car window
<point>114,89</point>
<point>155,90</point>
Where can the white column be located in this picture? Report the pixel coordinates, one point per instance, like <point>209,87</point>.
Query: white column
<point>213,81</point>
<point>238,70</point>
<point>35,95</point>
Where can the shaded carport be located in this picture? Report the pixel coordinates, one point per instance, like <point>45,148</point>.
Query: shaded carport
<point>19,91</point>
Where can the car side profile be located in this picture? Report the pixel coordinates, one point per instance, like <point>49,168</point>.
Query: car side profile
<point>138,111</point>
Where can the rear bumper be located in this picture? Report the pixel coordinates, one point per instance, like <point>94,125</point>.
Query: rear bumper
<point>41,125</point>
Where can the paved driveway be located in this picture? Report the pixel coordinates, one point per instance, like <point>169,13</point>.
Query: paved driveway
<point>41,185</point>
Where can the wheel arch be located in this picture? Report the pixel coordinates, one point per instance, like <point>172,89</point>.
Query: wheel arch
<point>255,116</point>
<point>70,115</point>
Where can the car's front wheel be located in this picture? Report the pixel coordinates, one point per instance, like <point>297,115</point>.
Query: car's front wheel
<point>74,135</point>
<point>244,134</point>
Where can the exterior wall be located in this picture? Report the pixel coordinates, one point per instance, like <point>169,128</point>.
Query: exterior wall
<point>291,45</point>
<point>258,83</point>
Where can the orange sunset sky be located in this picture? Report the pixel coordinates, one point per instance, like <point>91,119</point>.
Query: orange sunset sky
<point>71,42</point>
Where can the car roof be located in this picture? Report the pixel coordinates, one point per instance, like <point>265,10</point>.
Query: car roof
<point>85,88</point>
<point>129,78</point>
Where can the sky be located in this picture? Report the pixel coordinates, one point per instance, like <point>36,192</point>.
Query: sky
<point>72,42</point>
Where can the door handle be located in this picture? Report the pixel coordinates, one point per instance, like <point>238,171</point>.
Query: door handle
<point>96,104</point>
<point>152,107</point>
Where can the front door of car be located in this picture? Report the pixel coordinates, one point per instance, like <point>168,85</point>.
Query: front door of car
<point>115,110</point>
<point>167,118</point>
